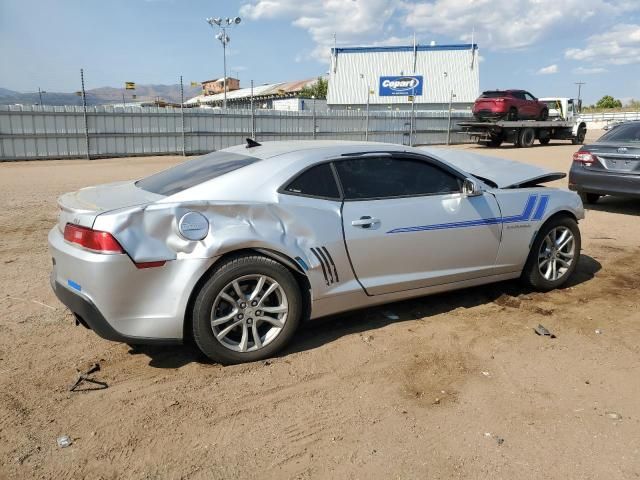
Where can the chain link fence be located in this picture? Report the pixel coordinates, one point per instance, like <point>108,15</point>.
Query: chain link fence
<point>55,132</point>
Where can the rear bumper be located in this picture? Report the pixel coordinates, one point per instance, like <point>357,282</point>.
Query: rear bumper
<point>489,114</point>
<point>119,301</point>
<point>604,183</point>
<point>89,315</point>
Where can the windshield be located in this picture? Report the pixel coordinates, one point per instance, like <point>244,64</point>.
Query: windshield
<point>625,133</point>
<point>194,172</point>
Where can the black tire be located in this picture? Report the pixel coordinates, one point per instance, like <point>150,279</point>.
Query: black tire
<point>531,273</point>
<point>579,138</point>
<point>526,137</point>
<point>221,277</point>
<point>544,115</point>
<point>544,141</point>
<point>512,116</point>
<point>589,197</point>
<point>494,142</point>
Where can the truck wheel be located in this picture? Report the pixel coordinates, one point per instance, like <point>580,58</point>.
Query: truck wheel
<point>512,116</point>
<point>544,141</point>
<point>579,138</point>
<point>494,142</point>
<point>544,115</point>
<point>527,137</point>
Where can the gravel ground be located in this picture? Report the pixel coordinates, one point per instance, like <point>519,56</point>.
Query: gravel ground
<point>458,385</point>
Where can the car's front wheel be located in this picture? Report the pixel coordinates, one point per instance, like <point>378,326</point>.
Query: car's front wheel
<point>247,310</point>
<point>589,198</point>
<point>554,254</point>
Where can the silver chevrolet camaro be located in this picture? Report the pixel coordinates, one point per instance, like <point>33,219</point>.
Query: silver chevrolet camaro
<point>235,248</point>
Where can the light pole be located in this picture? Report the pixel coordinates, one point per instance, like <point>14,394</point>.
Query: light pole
<point>223,24</point>
<point>366,131</point>
<point>40,92</point>
<point>579,91</point>
<point>451,97</point>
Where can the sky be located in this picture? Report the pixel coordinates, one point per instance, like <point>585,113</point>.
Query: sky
<point>544,46</point>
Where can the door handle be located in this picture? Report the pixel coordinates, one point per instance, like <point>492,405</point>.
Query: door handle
<point>365,222</point>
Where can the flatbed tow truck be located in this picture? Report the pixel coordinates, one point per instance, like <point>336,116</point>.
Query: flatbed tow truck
<point>563,124</point>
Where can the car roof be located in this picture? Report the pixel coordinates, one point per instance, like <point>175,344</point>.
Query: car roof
<point>267,150</point>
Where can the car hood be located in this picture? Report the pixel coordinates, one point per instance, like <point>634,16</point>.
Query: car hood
<point>502,173</point>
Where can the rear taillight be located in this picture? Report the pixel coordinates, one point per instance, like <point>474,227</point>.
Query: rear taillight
<point>583,157</point>
<point>499,100</point>
<point>94,240</point>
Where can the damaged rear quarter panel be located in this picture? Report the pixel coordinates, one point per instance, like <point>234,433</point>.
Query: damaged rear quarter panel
<point>290,226</point>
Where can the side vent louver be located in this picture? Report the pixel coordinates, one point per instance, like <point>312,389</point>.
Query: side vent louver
<point>329,269</point>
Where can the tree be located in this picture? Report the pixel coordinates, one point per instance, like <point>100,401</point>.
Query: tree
<point>608,102</point>
<point>318,89</point>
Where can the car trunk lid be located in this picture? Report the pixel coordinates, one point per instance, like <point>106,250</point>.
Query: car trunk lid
<point>83,206</point>
<point>615,158</point>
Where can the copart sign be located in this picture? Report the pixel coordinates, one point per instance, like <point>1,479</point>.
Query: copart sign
<point>403,85</point>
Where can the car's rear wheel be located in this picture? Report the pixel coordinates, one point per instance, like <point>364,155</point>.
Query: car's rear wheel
<point>544,114</point>
<point>589,197</point>
<point>512,115</point>
<point>554,254</point>
<point>247,310</point>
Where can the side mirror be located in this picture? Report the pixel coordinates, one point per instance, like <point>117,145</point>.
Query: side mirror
<point>471,188</point>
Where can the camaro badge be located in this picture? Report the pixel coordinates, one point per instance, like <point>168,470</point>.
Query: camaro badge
<point>193,226</point>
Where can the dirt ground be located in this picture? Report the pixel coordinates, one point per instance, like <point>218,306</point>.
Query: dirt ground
<point>450,386</point>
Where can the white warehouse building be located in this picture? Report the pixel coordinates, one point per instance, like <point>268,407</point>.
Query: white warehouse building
<point>389,77</point>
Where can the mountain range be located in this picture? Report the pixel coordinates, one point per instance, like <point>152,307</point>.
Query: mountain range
<point>100,96</point>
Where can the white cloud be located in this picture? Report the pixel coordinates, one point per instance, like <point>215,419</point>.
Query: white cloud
<point>505,24</point>
<point>588,70</point>
<point>353,22</point>
<point>618,46</point>
<point>548,70</point>
<point>497,24</point>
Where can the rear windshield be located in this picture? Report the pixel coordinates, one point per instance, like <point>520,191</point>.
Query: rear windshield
<point>494,94</point>
<point>194,172</point>
<point>625,133</point>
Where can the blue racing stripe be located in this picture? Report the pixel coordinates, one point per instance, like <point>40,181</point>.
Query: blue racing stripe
<point>542,206</point>
<point>525,216</point>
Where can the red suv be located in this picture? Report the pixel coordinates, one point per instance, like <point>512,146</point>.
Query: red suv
<point>509,105</point>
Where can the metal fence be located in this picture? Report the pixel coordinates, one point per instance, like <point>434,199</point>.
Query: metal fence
<point>52,132</point>
<point>609,116</point>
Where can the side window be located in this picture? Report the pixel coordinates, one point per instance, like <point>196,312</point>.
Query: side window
<point>366,178</point>
<point>519,95</point>
<point>529,97</point>
<point>318,181</point>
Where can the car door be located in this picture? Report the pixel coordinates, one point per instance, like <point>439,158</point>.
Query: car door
<point>521,104</point>
<point>408,225</point>
<point>531,105</point>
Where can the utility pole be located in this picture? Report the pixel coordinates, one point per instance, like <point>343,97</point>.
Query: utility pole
<point>366,130</point>
<point>313,97</point>
<point>253,115</point>
<point>84,114</point>
<point>451,97</point>
<point>182,115</point>
<point>579,84</point>
<point>40,92</point>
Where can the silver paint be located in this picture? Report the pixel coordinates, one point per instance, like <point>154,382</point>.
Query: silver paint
<point>245,211</point>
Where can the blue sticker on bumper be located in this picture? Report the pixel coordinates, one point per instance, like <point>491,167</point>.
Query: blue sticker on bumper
<point>74,285</point>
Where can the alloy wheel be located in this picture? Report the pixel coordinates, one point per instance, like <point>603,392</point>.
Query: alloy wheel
<point>249,313</point>
<point>557,253</point>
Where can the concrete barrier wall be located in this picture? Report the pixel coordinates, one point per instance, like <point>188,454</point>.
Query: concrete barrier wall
<point>51,132</point>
